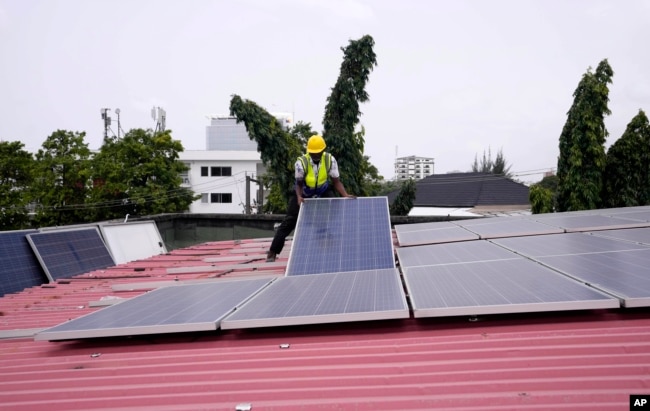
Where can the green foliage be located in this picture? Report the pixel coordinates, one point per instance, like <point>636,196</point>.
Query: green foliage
<point>487,165</point>
<point>342,113</point>
<point>62,176</point>
<point>138,175</point>
<point>627,173</point>
<point>541,199</point>
<point>582,153</point>
<point>403,203</point>
<point>279,148</point>
<point>16,176</point>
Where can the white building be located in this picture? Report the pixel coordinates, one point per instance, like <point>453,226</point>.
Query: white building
<point>413,167</point>
<point>220,178</point>
<point>219,173</point>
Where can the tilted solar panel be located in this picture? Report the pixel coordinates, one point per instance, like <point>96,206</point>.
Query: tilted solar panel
<point>450,253</point>
<point>181,308</point>
<point>325,298</point>
<point>497,287</point>
<point>341,234</point>
<point>625,274</point>
<point>432,233</point>
<point>19,268</point>
<point>66,253</point>
<point>564,244</point>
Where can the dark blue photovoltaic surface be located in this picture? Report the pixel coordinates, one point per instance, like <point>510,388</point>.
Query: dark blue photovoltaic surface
<point>341,234</point>
<point>19,268</point>
<point>66,253</point>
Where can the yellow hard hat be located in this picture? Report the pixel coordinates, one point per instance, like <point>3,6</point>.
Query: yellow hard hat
<point>316,144</point>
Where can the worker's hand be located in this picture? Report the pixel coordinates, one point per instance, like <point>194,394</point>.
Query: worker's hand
<point>350,196</point>
<point>300,200</point>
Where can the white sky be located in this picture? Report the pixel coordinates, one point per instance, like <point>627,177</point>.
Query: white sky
<point>454,77</point>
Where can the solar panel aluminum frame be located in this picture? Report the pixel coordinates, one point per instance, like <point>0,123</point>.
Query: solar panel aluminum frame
<point>126,318</point>
<point>258,312</point>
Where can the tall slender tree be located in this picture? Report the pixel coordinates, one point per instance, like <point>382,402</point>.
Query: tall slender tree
<point>582,158</point>
<point>627,173</point>
<point>342,113</point>
<point>278,147</point>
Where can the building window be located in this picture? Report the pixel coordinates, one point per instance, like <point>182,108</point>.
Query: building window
<point>221,198</point>
<point>204,171</point>
<point>220,171</point>
<point>204,198</point>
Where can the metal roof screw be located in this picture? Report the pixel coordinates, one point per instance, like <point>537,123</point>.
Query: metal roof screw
<point>283,346</point>
<point>95,355</point>
<point>246,406</point>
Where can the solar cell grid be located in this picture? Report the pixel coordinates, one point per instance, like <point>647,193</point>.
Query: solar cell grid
<point>496,287</point>
<point>19,268</point>
<point>432,233</point>
<point>324,298</point>
<point>637,235</point>
<point>452,253</point>
<point>512,227</point>
<point>335,235</point>
<point>564,244</point>
<point>66,253</point>
<point>625,274</point>
<point>182,308</point>
<point>587,222</point>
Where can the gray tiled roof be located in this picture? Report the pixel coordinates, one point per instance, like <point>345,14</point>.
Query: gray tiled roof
<point>467,190</point>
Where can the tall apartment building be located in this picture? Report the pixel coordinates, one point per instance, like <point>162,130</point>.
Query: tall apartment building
<point>413,167</point>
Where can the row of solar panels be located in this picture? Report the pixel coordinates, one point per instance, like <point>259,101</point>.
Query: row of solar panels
<point>30,258</point>
<point>344,244</point>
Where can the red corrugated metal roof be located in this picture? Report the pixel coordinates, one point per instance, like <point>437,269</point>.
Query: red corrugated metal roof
<point>590,360</point>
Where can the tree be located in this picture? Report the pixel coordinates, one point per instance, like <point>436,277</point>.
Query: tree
<point>138,174</point>
<point>16,176</point>
<point>541,199</point>
<point>498,166</point>
<point>627,173</point>
<point>403,203</point>
<point>279,148</point>
<point>582,158</point>
<point>342,113</point>
<point>62,179</point>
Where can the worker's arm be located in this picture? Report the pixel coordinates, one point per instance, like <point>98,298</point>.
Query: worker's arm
<point>299,186</point>
<point>338,185</point>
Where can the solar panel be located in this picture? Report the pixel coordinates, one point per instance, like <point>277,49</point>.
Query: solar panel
<point>636,235</point>
<point>625,274</point>
<point>497,287</point>
<point>564,244</point>
<point>431,233</point>
<point>640,215</point>
<point>19,268</point>
<point>509,227</point>
<point>341,234</point>
<point>587,222</point>
<point>182,308</point>
<point>132,241</point>
<point>66,253</point>
<point>452,253</point>
<point>326,298</point>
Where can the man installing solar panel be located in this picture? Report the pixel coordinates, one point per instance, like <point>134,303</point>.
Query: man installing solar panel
<point>317,175</point>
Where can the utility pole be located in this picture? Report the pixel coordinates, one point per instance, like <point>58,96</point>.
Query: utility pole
<point>260,194</point>
<point>107,121</point>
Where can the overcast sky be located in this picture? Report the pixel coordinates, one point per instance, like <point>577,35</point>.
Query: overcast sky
<point>454,77</point>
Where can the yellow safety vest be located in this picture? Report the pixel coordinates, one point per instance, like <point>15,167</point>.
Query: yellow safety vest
<point>323,172</point>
